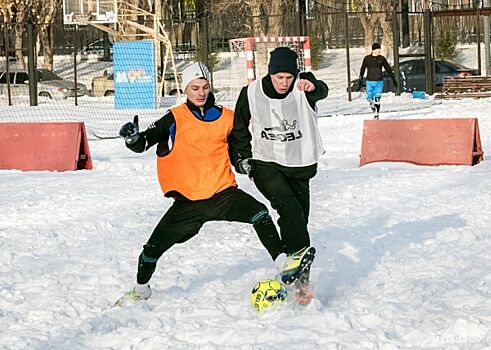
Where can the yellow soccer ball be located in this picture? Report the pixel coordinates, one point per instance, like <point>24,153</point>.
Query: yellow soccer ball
<point>267,293</point>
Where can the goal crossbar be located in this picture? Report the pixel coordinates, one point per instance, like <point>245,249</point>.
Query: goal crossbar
<point>250,47</point>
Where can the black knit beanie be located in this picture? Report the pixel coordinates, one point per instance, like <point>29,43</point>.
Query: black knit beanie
<point>375,46</point>
<point>284,60</point>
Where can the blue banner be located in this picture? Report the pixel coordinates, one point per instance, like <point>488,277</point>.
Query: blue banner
<point>134,75</point>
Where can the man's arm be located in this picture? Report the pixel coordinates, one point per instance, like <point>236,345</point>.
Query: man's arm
<point>363,67</point>
<point>388,69</point>
<point>320,90</point>
<point>157,133</point>
<point>240,138</point>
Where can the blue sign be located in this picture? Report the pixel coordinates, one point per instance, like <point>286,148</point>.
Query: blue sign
<point>134,74</point>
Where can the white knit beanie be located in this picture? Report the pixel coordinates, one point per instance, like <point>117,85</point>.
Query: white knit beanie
<point>194,71</point>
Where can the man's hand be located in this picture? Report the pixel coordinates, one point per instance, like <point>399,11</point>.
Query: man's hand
<point>246,167</point>
<point>305,85</point>
<point>359,85</point>
<point>130,131</point>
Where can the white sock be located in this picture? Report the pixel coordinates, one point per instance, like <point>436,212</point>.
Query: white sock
<point>141,289</point>
<point>280,262</point>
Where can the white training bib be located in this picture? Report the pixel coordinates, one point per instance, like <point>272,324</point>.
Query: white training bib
<point>283,131</point>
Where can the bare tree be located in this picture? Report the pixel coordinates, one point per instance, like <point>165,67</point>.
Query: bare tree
<point>6,9</point>
<point>275,15</point>
<point>47,14</point>
<point>384,13</point>
<point>18,12</point>
<point>368,20</point>
<point>267,16</point>
<point>21,8</point>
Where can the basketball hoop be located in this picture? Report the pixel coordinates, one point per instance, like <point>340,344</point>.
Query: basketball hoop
<point>90,12</point>
<point>82,19</point>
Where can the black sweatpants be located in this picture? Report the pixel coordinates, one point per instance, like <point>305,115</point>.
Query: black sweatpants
<point>289,194</point>
<point>185,218</point>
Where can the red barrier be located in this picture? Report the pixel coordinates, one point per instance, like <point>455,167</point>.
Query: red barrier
<point>422,141</point>
<point>44,146</point>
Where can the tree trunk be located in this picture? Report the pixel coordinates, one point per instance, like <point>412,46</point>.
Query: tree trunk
<point>275,18</point>
<point>257,14</point>
<point>385,18</point>
<point>387,39</point>
<point>19,30</point>
<point>46,17</point>
<point>369,22</point>
<point>47,45</point>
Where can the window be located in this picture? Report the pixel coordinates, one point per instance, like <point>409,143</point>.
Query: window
<point>46,75</point>
<point>418,67</point>
<point>22,78</point>
<point>3,78</point>
<point>441,68</point>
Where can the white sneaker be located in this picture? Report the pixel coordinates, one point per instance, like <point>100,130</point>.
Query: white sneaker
<point>142,291</point>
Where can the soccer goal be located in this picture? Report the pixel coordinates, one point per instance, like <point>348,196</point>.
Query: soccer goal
<point>250,56</point>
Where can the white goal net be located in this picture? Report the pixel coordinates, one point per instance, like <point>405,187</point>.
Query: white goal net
<point>249,60</point>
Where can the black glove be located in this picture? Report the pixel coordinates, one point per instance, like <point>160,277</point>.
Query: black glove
<point>129,131</point>
<point>359,84</point>
<point>395,85</point>
<point>247,167</point>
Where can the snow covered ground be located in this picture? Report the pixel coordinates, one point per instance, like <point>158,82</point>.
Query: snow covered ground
<point>403,251</point>
<point>403,256</point>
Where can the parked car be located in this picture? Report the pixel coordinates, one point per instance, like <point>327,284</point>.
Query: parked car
<point>104,85</point>
<point>412,75</point>
<point>50,85</point>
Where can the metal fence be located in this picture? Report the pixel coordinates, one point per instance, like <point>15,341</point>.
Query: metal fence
<point>82,53</point>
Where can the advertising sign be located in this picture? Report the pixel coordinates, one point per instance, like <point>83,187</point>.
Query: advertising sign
<point>134,75</point>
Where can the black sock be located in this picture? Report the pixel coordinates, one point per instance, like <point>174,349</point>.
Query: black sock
<point>145,269</point>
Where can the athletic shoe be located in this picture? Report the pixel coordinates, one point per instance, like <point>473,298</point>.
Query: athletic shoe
<point>297,264</point>
<point>139,292</point>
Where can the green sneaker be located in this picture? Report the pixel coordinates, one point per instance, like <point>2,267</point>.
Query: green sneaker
<point>297,264</point>
<point>139,292</point>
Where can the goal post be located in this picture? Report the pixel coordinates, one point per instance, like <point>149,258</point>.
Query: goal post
<point>250,56</point>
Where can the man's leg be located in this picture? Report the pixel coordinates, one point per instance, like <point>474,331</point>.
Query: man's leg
<point>301,190</point>
<point>370,95</point>
<point>378,89</point>
<point>372,107</point>
<point>236,205</point>
<point>376,107</point>
<point>274,185</point>
<point>180,223</point>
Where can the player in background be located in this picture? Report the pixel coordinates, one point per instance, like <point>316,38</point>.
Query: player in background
<point>374,86</point>
<point>278,145</point>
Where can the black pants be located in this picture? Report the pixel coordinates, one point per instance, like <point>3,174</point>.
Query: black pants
<point>185,218</point>
<point>289,194</point>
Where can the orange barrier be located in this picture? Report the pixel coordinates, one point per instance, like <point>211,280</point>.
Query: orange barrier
<point>44,146</point>
<point>422,141</point>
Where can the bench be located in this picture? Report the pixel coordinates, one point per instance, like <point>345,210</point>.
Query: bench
<point>462,87</point>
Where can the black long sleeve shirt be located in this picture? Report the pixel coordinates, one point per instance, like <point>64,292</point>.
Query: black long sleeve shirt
<point>374,65</point>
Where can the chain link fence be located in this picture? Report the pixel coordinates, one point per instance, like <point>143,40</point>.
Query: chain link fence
<point>83,54</point>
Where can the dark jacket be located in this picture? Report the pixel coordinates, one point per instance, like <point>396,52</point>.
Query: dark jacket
<point>241,147</point>
<point>374,65</point>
